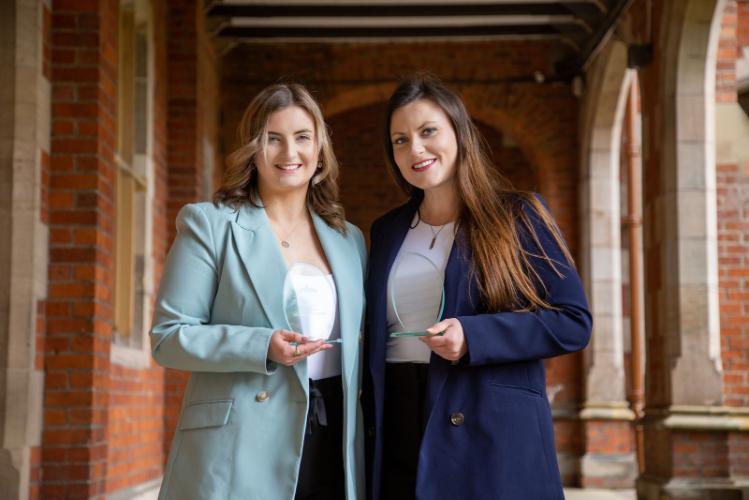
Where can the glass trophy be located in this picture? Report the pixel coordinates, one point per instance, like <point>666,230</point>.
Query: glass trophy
<point>416,281</point>
<point>309,302</point>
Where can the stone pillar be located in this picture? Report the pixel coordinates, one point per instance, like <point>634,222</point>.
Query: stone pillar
<point>686,425</point>
<point>609,460</point>
<point>24,161</point>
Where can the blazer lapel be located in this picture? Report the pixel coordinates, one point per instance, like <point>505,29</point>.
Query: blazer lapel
<point>438,367</point>
<point>347,274</point>
<point>257,248</point>
<point>393,239</point>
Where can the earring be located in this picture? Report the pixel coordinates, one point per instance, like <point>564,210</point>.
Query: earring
<point>319,164</point>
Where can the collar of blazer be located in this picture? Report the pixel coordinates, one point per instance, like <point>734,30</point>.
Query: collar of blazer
<point>258,249</point>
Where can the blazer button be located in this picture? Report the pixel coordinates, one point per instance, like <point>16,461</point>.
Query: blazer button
<point>262,396</point>
<point>457,419</point>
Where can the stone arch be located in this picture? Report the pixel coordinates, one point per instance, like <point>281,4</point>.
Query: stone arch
<point>686,231</point>
<point>606,406</point>
<point>366,189</point>
<point>683,382</point>
<point>600,217</point>
<point>356,97</point>
<point>511,124</point>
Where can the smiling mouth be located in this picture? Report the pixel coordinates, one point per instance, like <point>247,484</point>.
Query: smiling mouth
<point>423,165</point>
<point>289,167</point>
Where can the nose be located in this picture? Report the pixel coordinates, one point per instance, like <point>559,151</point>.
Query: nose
<point>289,150</point>
<point>417,147</point>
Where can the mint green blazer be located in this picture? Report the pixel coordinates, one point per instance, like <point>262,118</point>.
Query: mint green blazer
<point>242,424</point>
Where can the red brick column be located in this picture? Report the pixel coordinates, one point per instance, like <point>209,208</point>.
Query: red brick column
<point>182,121</point>
<point>183,169</point>
<point>79,307</point>
<point>733,233</point>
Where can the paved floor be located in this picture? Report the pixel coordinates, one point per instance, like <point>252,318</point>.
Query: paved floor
<point>596,494</point>
<point>150,492</point>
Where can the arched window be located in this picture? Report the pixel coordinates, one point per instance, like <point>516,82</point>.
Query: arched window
<point>133,184</point>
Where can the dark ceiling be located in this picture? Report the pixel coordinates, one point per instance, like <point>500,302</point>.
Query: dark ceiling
<point>576,27</point>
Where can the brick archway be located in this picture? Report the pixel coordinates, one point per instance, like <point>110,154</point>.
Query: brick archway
<point>367,190</point>
<point>524,115</point>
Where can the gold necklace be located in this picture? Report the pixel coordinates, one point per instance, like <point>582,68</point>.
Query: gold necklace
<point>285,240</point>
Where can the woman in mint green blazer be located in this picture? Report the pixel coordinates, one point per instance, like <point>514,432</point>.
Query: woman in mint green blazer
<point>267,414</point>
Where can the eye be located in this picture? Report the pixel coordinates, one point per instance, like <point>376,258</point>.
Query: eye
<point>273,139</point>
<point>427,131</point>
<point>303,137</point>
<point>399,140</point>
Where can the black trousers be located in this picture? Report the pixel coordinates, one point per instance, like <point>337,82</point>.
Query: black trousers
<point>403,427</point>
<point>321,474</point>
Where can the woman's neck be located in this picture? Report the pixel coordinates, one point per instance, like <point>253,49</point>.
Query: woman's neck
<point>440,205</point>
<point>286,208</point>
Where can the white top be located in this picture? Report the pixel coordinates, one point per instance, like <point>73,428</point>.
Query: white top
<point>415,284</point>
<point>318,312</point>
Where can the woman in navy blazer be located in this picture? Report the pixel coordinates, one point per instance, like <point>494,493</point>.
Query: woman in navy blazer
<point>471,419</point>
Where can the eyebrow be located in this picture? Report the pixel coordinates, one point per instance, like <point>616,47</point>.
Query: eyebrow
<point>419,127</point>
<point>303,131</point>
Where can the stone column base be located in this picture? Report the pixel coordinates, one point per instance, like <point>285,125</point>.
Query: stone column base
<point>610,455</point>
<point>610,470</point>
<point>691,489</point>
<point>689,456</point>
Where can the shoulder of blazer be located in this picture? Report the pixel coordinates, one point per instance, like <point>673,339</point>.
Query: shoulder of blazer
<point>392,214</point>
<point>214,213</point>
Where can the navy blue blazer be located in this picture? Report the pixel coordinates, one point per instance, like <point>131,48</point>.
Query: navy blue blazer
<point>504,447</point>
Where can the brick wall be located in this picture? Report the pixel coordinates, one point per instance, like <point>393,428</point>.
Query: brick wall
<point>184,178</point>
<point>742,23</point>
<point>191,125</point>
<point>725,70</point>
<point>733,239</point>
<point>106,426</point>
<point>732,184</point>
<point>733,235</point>
<point>367,189</point>
<point>79,307</point>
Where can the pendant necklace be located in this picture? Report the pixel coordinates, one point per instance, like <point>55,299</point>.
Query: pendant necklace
<point>285,240</point>
<point>431,228</point>
<point>435,234</point>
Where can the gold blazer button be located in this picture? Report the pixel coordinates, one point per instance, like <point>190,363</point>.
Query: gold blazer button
<point>457,419</point>
<point>262,396</point>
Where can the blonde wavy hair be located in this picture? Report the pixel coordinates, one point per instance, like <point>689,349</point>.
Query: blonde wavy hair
<point>240,179</point>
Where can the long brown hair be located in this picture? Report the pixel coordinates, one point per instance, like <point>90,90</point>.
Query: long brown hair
<point>239,183</point>
<point>491,211</point>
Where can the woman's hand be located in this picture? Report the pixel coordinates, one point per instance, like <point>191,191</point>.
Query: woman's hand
<point>281,351</point>
<point>450,346</point>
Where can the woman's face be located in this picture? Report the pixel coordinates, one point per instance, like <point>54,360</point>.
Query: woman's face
<point>290,158</point>
<point>424,145</point>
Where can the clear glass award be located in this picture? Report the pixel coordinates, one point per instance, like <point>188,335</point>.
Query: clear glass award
<point>417,295</point>
<point>309,302</point>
